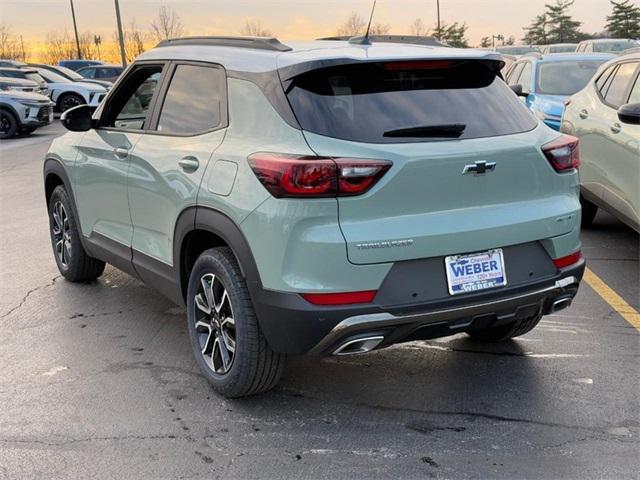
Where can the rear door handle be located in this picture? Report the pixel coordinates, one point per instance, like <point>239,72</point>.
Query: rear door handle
<point>583,114</point>
<point>121,152</point>
<point>616,127</point>
<point>189,164</point>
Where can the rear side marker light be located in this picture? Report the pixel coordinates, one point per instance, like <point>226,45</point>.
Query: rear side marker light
<point>340,298</point>
<point>303,176</point>
<point>563,153</point>
<point>563,262</point>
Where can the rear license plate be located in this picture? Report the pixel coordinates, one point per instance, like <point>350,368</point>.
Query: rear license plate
<point>476,271</point>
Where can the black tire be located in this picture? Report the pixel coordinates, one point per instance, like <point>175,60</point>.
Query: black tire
<point>506,332</point>
<point>589,211</point>
<point>69,100</point>
<point>8,124</point>
<point>73,262</point>
<point>251,366</point>
<point>27,130</point>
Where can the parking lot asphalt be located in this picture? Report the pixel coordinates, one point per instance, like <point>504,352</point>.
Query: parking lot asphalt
<point>98,380</point>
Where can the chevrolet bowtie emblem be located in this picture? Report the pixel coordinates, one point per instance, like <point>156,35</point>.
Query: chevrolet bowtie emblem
<point>479,168</point>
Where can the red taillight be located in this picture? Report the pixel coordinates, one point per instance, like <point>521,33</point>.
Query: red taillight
<point>340,298</point>
<point>285,175</point>
<point>568,260</point>
<point>563,153</point>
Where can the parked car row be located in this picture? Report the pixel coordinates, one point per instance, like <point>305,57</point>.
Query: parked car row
<point>597,45</point>
<point>60,86</point>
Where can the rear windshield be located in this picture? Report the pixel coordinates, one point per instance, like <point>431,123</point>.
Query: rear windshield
<point>565,78</point>
<point>613,46</point>
<point>407,102</point>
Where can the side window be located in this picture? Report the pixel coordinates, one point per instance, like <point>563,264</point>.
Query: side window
<point>602,79</point>
<point>617,92</point>
<point>129,106</point>
<point>635,92</point>
<point>514,73</point>
<point>194,100</point>
<point>525,78</point>
<point>89,73</point>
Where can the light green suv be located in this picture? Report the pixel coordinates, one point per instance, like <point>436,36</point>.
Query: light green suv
<point>324,198</point>
<point>605,115</point>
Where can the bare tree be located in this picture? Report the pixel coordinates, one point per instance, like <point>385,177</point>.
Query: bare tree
<point>379,29</point>
<point>11,47</point>
<point>134,40</point>
<point>418,28</point>
<point>353,25</point>
<point>62,46</point>
<point>254,28</point>
<point>167,24</point>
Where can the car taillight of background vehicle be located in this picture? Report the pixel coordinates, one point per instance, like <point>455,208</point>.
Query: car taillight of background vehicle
<point>304,176</point>
<point>563,153</point>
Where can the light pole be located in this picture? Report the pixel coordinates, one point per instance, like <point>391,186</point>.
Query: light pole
<point>438,16</point>
<point>75,29</point>
<point>496,37</point>
<point>123,55</point>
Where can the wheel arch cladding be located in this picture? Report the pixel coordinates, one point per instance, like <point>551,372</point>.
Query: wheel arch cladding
<point>201,228</point>
<point>54,174</point>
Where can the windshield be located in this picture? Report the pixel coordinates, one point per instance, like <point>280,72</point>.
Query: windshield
<point>562,48</point>
<point>52,77</point>
<point>565,78</point>
<point>616,46</point>
<point>407,101</point>
<point>35,77</point>
<point>67,72</point>
<point>517,50</point>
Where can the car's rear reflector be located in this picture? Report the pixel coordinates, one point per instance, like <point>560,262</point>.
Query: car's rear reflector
<point>563,262</point>
<point>563,153</point>
<point>346,298</point>
<point>303,176</point>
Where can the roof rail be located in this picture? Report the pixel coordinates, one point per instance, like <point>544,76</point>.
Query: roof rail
<point>411,39</point>
<point>260,43</point>
<point>533,54</point>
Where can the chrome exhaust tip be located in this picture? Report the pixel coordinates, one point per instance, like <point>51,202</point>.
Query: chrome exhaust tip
<point>560,304</point>
<point>358,345</point>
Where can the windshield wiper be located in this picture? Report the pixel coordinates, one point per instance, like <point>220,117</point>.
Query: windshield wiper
<point>446,130</point>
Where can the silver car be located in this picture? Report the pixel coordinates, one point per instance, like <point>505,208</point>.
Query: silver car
<point>605,115</point>
<point>23,112</point>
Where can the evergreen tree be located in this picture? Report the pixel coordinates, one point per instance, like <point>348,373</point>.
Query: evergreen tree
<point>453,34</point>
<point>485,42</point>
<point>536,33</point>
<point>562,27</point>
<point>624,21</point>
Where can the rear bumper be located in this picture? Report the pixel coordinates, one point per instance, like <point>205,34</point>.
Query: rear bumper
<point>294,326</point>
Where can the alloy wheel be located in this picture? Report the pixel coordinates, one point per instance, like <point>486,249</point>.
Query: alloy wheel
<point>5,124</point>
<point>69,101</point>
<point>61,234</point>
<point>215,325</point>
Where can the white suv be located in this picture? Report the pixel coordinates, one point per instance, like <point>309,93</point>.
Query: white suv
<point>67,94</point>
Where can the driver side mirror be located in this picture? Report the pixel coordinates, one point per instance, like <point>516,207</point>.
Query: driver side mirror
<point>517,89</point>
<point>77,119</point>
<point>630,113</point>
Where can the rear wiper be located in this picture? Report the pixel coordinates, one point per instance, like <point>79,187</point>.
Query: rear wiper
<point>447,130</point>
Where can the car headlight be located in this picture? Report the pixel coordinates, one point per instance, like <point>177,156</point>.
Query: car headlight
<point>28,103</point>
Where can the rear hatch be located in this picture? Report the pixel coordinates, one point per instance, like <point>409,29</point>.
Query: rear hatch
<point>468,171</point>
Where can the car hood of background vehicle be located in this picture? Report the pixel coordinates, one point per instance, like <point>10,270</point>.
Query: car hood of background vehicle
<point>33,97</point>
<point>549,104</point>
<point>77,86</point>
<point>102,83</point>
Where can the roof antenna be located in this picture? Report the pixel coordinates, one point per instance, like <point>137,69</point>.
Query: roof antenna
<point>365,40</point>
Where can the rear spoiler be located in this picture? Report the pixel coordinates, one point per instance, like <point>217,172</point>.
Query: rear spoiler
<point>491,59</point>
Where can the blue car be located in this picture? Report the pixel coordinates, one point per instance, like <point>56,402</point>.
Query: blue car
<point>546,81</point>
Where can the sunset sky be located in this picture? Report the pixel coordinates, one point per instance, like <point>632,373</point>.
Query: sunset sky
<point>289,19</point>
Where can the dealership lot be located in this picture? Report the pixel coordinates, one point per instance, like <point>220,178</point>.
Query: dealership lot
<point>99,380</point>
